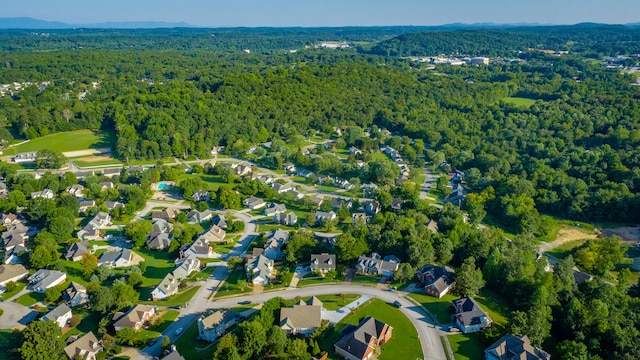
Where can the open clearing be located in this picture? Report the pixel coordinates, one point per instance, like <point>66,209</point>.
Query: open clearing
<point>627,233</point>
<point>519,101</point>
<point>67,141</point>
<point>567,235</point>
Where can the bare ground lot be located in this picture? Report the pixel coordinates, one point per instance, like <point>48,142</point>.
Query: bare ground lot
<point>627,233</point>
<point>89,152</point>
<point>567,235</point>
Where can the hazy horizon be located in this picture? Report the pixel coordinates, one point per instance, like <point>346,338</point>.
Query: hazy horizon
<point>331,13</point>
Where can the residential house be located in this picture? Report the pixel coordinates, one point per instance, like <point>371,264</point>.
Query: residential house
<point>363,342</point>
<point>46,193</point>
<point>25,157</point>
<point>289,168</point>
<point>242,170</point>
<point>81,175</point>
<point>198,249</point>
<point>44,279</point>
<point>259,270</point>
<point>200,195</point>
<point>457,195</point>
<point>91,231</point>
<point>274,242</point>
<point>214,235</point>
<point>316,200</point>
<point>369,188</point>
<point>254,203</point>
<point>134,318</point>
<point>76,190</point>
<point>304,173</point>
<point>76,250</point>
<point>323,262</point>
<point>360,217</point>
<point>106,185</point>
<point>281,188</point>
<point>511,347</point>
<point>195,216</point>
<point>438,280</point>
<point>371,207</point>
<point>111,172</point>
<point>75,294</point>
<point>219,221</point>
<point>297,194</point>
<point>344,184</point>
<point>336,203</point>
<point>355,151</point>
<point>325,180</point>
<point>84,205</point>
<point>302,318</point>
<point>113,204</point>
<point>158,240</point>
<point>173,355</point>
<point>61,315</point>
<point>162,225</point>
<point>11,219</point>
<point>14,235</point>
<point>289,219</point>
<point>9,273</point>
<point>432,225</point>
<point>396,205</point>
<point>274,209</point>
<point>323,216</point>
<point>263,179</point>
<point>167,287</point>
<point>215,325</point>
<point>86,347</point>
<point>166,214</point>
<point>469,316</point>
<point>376,265</point>
<point>116,259</point>
<point>14,256</point>
<point>187,267</point>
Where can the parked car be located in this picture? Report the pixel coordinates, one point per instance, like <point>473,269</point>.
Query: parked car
<point>246,302</point>
<point>397,304</point>
<point>178,331</point>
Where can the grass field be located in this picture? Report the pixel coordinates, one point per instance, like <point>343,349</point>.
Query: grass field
<point>403,345</point>
<point>68,141</point>
<point>187,345</point>
<point>180,298</point>
<point>467,346</point>
<point>566,249</point>
<point>441,308</point>
<point>519,101</point>
<point>30,298</point>
<point>230,286</point>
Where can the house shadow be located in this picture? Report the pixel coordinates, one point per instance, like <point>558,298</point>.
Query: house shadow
<point>29,317</point>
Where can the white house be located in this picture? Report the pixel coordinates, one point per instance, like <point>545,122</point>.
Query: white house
<point>259,270</point>
<point>60,315</point>
<point>44,279</point>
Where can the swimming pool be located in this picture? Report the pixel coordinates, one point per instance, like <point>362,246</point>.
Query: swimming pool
<point>162,186</point>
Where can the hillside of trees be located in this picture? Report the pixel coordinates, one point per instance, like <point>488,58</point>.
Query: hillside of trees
<point>589,39</point>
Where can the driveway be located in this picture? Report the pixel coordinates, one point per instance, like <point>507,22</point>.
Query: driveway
<point>15,315</point>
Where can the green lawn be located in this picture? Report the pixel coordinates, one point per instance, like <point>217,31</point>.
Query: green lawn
<point>403,345</point>
<point>566,249</point>
<point>5,342</point>
<point>519,101</point>
<point>335,302</point>
<point>187,345</point>
<point>366,279</point>
<point>30,298</point>
<point>497,308</point>
<point>21,285</point>
<point>441,308</point>
<point>180,298</point>
<point>158,266</point>
<point>230,286</point>
<point>467,346</point>
<point>68,141</point>
<point>202,275</point>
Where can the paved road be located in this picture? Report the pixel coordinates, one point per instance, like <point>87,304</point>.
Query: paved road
<point>15,315</point>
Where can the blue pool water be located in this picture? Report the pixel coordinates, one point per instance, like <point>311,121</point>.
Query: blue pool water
<point>162,186</point>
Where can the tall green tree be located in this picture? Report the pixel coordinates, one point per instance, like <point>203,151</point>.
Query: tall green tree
<point>42,340</point>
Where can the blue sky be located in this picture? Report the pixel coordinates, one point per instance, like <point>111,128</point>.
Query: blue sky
<point>225,13</point>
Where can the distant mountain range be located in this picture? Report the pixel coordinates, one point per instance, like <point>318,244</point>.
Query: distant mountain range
<point>36,24</point>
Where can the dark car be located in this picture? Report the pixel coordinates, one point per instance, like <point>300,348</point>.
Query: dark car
<point>397,304</point>
<point>246,302</point>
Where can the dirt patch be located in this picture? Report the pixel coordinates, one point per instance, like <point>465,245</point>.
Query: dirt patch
<point>627,233</point>
<point>102,151</point>
<point>567,235</point>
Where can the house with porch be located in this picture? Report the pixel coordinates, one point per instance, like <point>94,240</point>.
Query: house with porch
<point>364,341</point>
<point>469,316</point>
